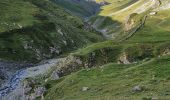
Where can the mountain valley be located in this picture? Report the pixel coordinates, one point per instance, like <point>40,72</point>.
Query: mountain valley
<point>85,49</point>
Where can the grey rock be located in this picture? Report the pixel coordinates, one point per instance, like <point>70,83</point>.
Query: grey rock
<point>123,59</point>
<point>78,61</point>
<point>137,89</point>
<point>39,91</point>
<point>27,90</point>
<point>55,75</point>
<point>154,98</point>
<point>85,88</point>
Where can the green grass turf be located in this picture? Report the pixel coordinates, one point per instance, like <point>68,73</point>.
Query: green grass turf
<point>115,82</point>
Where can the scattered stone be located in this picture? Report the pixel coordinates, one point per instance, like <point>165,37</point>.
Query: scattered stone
<point>65,42</point>
<point>166,52</point>
<point>19,26</point>
<point>55,75</point>
<point>153,13</point>
<point>154,98</point>
<point>85,88</point>
<point>39,91</point>
<point>123,59</point>
<point>27,90</point>
<point>137,88</point>
<point>46,80</point>
<point>103,3</point>
<point>60,32</point>
<point>27,85</point>
<point>78,61</point>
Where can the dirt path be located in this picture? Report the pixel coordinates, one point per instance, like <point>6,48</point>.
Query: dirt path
<point>139,65</point>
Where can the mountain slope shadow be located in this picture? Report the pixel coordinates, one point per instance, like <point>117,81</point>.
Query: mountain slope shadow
<point>82,8</point>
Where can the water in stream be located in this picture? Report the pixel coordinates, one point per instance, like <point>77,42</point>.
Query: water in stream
<point>17,77</point>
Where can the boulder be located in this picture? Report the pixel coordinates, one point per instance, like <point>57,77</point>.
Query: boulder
<point>154,98</point>
<point>39,91</point>
<point>85,88</point>
<point>137,88</point>
<point>123,59</point>
<point>55,76</point>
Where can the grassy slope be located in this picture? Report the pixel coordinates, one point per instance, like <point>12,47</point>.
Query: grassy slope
<point>115,15</point>
<point>105,20</point>
<point>115,81</point>
<point>153,35</point>
<point>14,14</point>
<point>156,29</point>
<point>37,29</point>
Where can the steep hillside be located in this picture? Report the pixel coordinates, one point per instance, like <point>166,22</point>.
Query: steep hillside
<point>122,17</point>
<point>147,80</point>
<point>135,68</point>
<point>133,64</point>
<point>114,18</point>
<point>144,74</point>
<point>82,8</point>
<point>32,30</point>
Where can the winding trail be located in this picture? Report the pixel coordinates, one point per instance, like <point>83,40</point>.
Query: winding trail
<point>139,65</point>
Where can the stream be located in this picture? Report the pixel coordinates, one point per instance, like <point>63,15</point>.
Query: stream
<point>17,77</point>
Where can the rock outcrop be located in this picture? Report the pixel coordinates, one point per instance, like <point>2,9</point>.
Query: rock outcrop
<point>123,59</point>
<point>66,66</point>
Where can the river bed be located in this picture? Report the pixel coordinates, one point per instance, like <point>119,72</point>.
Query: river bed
<point>15,81</point>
